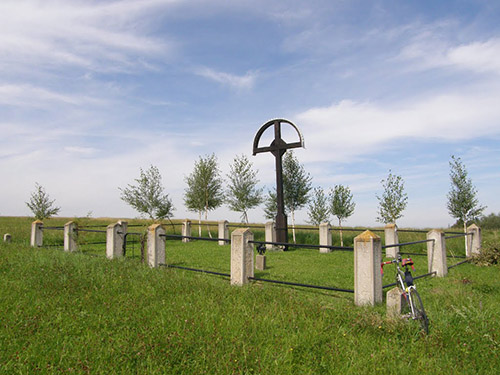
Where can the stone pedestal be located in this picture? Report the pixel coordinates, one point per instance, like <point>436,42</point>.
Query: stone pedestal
<point>70,236</point>
<point>36,233</point>
<point>473,241</point>
<point>156,245</point>
<point>270,235</point>
<point>436,253</point>
<point>395,303</point>
<point>367,277</point>
<point>115,235</point>
<point>223,232</point>
<point>325,237</point>
<point>186,230</point>
<point>7,238</point>
<point>241,256</point>
<point>391,238</point>
<point>260,262</point>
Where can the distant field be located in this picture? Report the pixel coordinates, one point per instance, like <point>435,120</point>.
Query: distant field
<point>76,313</point>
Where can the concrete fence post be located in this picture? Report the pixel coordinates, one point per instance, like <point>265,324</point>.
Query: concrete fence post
<point>270,234</point>
<point>223,231</point>
<point>325,237</point>
<point>391,238</point>
<point>70,236</point>
<point>436,253</point>
<point>156,245</point>
<point>7,238</point>
<point>36,234</point>
<point>115,235</point>
<point>474,240</point>
<point>367,277</point>
<point>242,266</point>
<point>395,302</point>
<point>186,230</point>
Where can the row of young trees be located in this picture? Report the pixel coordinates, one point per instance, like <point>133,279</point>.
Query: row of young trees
<point>205,192</point>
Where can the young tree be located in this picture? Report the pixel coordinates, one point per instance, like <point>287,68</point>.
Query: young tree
<point>41,205</point>
<point>147,196</point>
<point>204,191</point>
<point>462,200</point>
<point>270,205</point>
<point>242,193</point>
<point>319,212</point>
<point>341,205</point>
<point>296,186</point>
<point>393,200</point>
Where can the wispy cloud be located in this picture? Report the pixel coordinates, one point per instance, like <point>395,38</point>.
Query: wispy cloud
<point>59,33</point>
<point>245,81</point>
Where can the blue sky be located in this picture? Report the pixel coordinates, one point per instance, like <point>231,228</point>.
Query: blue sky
<point>92,91</point>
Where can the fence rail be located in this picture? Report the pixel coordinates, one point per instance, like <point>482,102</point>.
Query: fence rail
<point>194,269</point>
<point>306,246</point>
<point>180,236</point>
<point>302,285</point>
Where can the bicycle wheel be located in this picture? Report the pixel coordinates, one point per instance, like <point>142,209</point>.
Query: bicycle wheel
<point>418,309</point>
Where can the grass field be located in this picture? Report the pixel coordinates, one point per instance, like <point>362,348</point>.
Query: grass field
<point>75,313</point>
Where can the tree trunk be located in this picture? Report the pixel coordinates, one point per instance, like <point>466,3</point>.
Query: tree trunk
<point>206,220</point>
<point>340,229</point>
<point>199,223</point>
<point>293,225</point>
<point>465,231</point>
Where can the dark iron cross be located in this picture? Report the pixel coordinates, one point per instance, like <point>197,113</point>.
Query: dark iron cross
<point>278,148</point>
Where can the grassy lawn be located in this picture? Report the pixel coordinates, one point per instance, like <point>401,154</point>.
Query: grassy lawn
<point>75,313</point>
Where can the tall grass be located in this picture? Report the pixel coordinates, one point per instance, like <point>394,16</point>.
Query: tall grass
<point>74,313</point>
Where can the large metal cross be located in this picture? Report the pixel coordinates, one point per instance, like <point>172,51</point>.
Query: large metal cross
<point>278,147</point>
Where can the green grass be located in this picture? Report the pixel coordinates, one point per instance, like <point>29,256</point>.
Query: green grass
<point>74,313</point>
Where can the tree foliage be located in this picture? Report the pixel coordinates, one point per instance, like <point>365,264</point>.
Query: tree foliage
<point>319,210</point>
<point>242,192</point>
<point>462,197</point>
<point>341,205</point>
<point>147,196</point>
<point>270,205</point>
<point>204,190</point>
<point>393,201</point>
<point>296,186</point>
<point>41,205</point>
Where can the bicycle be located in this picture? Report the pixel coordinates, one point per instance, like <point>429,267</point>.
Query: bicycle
<point>414,308</point>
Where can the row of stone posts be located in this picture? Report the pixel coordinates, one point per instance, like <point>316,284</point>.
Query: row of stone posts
<point>368,257</point>
<point>367,251</point>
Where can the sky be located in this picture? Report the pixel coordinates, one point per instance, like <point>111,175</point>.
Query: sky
<point>93,91</point>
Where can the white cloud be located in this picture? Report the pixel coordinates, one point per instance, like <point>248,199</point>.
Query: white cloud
<point>428,52</point>
<point>59,33</point>
<point>351,129</point>
<point>246,81</point>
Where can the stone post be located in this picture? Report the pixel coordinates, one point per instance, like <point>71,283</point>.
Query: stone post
<point>7,238</point>
<point>367,276</point>
<point>70,236</point>
<point>270,234</point>
<point>156,245</point>
<point>473,241</point>
<point>223,231</point>
<point>436,253</point>
<point>115,236</point>
<point>36,233</point>
<point>395,303</point>
<point>325,237</point>
<point>260,262</point>
<point>241,256</point>
<point>186,230</point>
<point>391,238</point>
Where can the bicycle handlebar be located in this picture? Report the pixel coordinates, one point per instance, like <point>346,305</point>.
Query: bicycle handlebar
<point>405,262</point>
